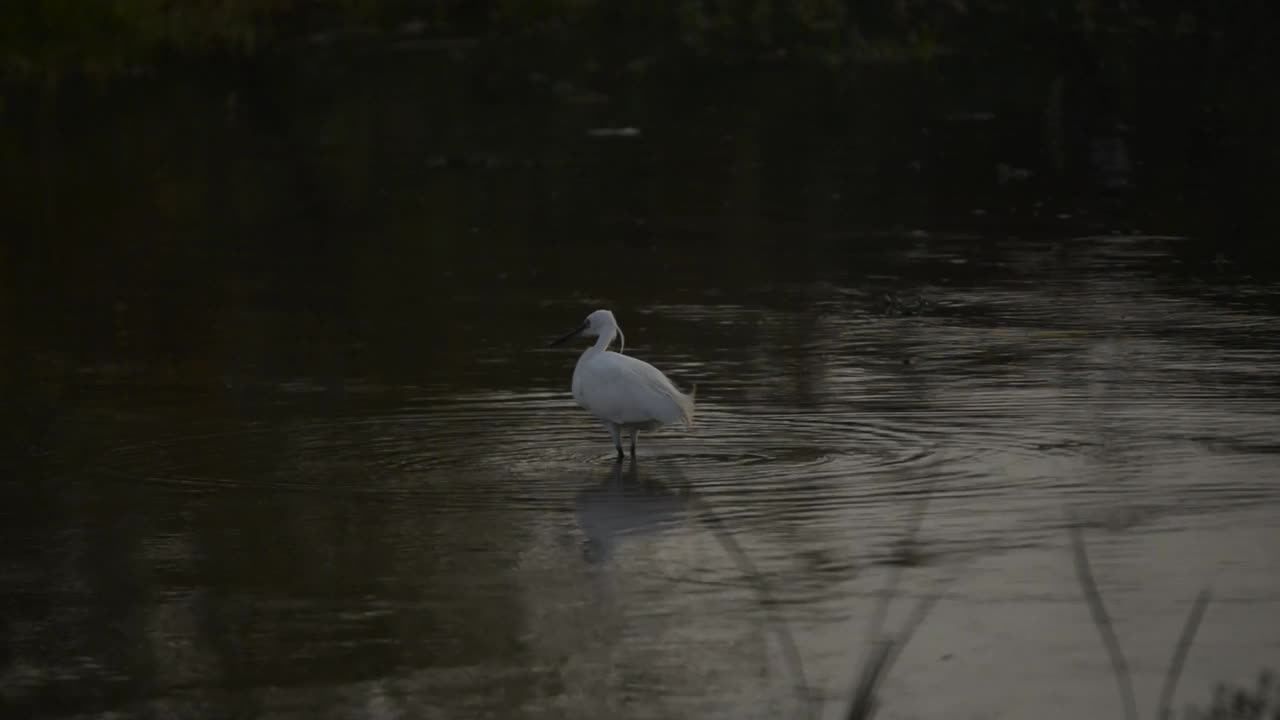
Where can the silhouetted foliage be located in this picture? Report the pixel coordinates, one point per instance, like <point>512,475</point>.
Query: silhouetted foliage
<point>1231,702</point>
<point>46,38</point>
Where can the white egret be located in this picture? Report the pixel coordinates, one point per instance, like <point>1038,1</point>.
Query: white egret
<point>625,393</point>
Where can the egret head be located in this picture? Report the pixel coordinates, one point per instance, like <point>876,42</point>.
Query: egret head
<point>601,322</point>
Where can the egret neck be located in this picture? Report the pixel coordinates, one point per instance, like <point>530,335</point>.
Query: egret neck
<point>604,340</point>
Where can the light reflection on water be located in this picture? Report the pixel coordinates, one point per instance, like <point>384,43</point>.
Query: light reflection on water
<point>423,553</point>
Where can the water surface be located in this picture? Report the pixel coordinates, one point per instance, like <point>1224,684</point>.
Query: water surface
<point>284,440</point>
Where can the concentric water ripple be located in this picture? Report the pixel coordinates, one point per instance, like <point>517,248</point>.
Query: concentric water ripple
<point>507,435</point>
<point>537,448</point>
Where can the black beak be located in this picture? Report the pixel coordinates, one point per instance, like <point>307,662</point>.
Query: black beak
<point>576,331</point>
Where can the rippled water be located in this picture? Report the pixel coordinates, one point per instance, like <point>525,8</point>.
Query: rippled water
<point>336,546</point>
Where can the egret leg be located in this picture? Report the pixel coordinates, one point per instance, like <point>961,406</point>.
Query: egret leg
<point>634,432</point>
<point>617,438</point>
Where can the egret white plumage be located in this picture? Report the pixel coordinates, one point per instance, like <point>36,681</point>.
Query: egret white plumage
<point>626,394</point>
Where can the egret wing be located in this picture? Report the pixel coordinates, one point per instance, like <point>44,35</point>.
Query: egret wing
<point>625,390</point>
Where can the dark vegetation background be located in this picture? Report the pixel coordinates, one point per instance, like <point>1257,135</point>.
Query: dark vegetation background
<point>1187,87</point>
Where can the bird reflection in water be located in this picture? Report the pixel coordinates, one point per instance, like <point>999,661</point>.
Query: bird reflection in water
<point>625,503</point>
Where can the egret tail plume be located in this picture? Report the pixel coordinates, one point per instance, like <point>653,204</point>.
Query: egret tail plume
<point>687,403</point>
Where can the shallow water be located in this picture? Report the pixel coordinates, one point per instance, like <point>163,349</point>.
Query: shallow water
<point>351,482</point>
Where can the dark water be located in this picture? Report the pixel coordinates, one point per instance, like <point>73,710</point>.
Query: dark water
<point>282,438</point>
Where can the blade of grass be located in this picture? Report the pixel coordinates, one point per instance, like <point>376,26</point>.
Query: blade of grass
<point>789,650</point>
<point>1102,620</point>
<point>882,652</point>
<point>875,667</point>
<point>1180,651</point>
<point>895,572</point>
<point>881,659</point>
